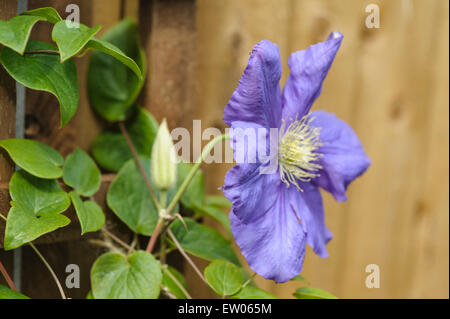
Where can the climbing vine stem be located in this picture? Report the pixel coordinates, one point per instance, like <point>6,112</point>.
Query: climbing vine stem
<point>50,269</point>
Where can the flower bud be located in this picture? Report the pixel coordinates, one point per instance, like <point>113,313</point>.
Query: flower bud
<point>164,159</point>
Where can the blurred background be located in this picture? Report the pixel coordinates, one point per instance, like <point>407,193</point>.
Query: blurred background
<point>389,83</point>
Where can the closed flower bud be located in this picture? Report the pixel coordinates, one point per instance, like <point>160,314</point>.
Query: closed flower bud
<point>164,159</point>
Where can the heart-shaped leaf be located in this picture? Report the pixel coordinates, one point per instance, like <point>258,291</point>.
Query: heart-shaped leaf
<point>129,198</point>
<point>175,282</point>
<point>89,214</point>
<point>40,196</point>
<point>223,277</point>
<point>217,201</point>
<point>34,157</point>
<point>23,225</point>
<point>217,214</point>
<point>45,72</point>
<point>110,149</point>
<point>115,52</point>
<point>81,173</point>
<point>71,40</point>
<point>14,33</point>
<point>312,293</point>
<point>194,195</point>
<point>112,86</point>
<point>6,293</point>
<point>203,241</point>
<point>250,292</point>
<point>114,276</point>
<point>50,14</point>
<point>36,207</point>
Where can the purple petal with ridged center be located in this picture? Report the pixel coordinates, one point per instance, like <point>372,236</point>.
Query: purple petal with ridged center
<point>257,98</point>
<point>250,192</point>
<point>273,243</point>
<point>343,159</point>
<point>309,209</point>
<point>308,70</point>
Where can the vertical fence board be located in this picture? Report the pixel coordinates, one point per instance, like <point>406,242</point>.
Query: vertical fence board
<point>430,260</point>
<point>170,47</point>
<point>8,9</point>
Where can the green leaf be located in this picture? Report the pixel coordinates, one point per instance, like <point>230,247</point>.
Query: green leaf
<point>114,276</point>
<point>34,157</point>
<point>45,72</point>
<point>223,277</point>
<point>14,33</point>
<point>217,214</point>
<point>312,293</point>
<point>203,241</point>
<point>81,173</point>
<point>112,86</point>
<point>72,40</point>
<point>169,282</point>
<point>40,196</point>
<point>217,201</point>
<point>50,14</point>
<point>247,277</point>
<point>115,52</point>
<point>6,293</point>
<point>300,278</point>
<point>110,149</point>
<point>89,214</point>
<point>36,207</point>
<point>194,195</point>
<point>23,225</point>
<point>129,198</point>
<point>250,292</point>
<point>89,295</point>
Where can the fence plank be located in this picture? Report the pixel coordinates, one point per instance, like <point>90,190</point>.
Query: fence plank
<point>170,45</point>
<point>169,33</point>
<point>8,9</point>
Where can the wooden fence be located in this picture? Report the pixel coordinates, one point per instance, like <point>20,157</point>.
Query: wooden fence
<point>390,84</point>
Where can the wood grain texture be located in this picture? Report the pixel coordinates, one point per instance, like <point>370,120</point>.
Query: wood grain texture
<point>169,36</point>
<point>8,9</point>
<point>391,85</point>
<point>168,29</point>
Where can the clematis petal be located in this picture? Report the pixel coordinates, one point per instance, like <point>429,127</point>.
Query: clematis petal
<point>308,70</point>
<point>309,209</point>
<point>251,193</point>
<point>257,98</point>
<point>273,243</point>
<point>343,159</point>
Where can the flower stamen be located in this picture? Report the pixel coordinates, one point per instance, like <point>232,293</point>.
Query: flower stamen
<point>297,151</point>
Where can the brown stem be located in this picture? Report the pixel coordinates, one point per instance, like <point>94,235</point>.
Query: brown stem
<point>61,290</point>
<point>177,282</point>
<point>189,260</point>
<point>7,277</point>
<point>139,163</point>
<point>118,240</point>
<point>152,241</point>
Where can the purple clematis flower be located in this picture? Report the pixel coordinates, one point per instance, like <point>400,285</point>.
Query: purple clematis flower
<point>274,215</point>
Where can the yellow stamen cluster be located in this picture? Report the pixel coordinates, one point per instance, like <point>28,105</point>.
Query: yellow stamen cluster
<point>297,154</point>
